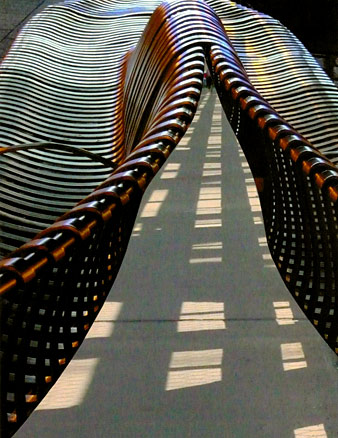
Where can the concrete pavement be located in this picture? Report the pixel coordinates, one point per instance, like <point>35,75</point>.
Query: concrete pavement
<point>13,15</point>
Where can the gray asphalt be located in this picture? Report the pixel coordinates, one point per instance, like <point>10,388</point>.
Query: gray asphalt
<point>189,344</point>
<point>13,15</point>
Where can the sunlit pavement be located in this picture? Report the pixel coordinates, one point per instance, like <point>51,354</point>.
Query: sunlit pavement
<point>199,337</point>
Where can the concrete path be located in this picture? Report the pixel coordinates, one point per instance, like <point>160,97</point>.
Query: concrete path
<point>199,337</point>
<point>13,14</point>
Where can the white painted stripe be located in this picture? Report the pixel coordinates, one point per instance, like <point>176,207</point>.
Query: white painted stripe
<point>207,245</point>
<point>71,388</point>
<point>205,260</point>
<point>316,431</point>
<point>199,358</point>
<point>201,307</point>
<point>190,378</point>
<point>292,351</point>
<point>208,223</point>
<point>152,207</point>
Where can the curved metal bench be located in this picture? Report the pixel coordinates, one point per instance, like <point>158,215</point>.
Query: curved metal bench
<point>298,187</point>
<point>60,97</point>
<point>285,74</point>
<point>53,286</point>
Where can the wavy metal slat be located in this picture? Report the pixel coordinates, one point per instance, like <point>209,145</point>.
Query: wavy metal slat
<point>59,83</point>
<point>263,45</point>
<point>66,272</point>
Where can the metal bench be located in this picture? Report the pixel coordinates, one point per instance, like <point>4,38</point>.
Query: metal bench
<point>128,117</point>
<point>298,186</point>
<point>54,285</point>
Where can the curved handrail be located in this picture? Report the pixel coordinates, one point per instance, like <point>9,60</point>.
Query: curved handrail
<point>59,146</point>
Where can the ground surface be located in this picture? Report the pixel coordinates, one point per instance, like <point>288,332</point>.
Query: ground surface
<point>13,14</point>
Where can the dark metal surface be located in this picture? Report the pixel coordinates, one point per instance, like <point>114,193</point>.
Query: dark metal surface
<point>298,191</point>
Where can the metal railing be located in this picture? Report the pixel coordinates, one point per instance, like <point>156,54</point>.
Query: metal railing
<point>298,189</point>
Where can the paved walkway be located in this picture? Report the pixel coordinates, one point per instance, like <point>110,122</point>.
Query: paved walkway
<point>199,337</point>
<point>13,14</point>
